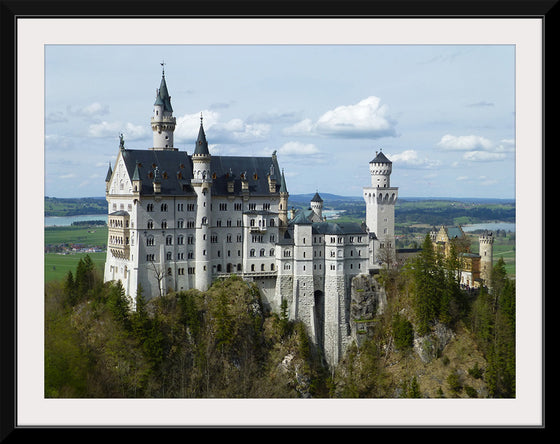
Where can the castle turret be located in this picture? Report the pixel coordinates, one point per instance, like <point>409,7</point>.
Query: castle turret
<point>486,251</point>
<point>317,205</point>
<point>163,122</point>
<point>202,184</point>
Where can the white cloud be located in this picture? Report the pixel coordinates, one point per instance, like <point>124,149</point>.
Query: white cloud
<point>368,118</point>
<point>464,143</point>
<point>483,156</point>
<point>298,149</point>
<point>411,159</point>
<point>92,110</point>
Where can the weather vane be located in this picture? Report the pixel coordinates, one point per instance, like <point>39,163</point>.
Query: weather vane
<point>162,67</point>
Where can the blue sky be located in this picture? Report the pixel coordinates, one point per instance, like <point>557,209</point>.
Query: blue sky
<point>444,114</point>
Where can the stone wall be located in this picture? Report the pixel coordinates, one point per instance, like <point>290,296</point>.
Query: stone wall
<point>367,300</point>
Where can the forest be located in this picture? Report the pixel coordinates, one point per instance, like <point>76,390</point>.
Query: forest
<point>222,343</point>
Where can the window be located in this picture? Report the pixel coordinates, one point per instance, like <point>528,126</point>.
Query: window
<point>180,223</point>
<point>223,207</point>
<point>163,207</point>
<point>190,207</point>
<point>237,206</point>
<point>150,257</point>
<point>164,224</point>
<point>180,239</point>
<point>180,207</point>
<point>252,252</point>
<point>150,240</point>
<point>169,240</point>
<point>150,224</point>
<point>261,253</point>
<point>169,256</point>
<point>150,207</point>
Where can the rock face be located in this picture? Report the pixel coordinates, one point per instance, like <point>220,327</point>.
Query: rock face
<point>431,346</point>
<point>367,299</point>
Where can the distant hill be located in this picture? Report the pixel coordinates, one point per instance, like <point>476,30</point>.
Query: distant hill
<point>55,206</point>
<point>327,197</point>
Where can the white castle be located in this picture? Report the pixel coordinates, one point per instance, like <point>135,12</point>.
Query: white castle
<point>179,221</point>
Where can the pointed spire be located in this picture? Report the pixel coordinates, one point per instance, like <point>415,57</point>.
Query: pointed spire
<point>201,147</point>
<point>283,188</point>
<point>162,97</point>
<point>109,173</point>
<point>136,175</point>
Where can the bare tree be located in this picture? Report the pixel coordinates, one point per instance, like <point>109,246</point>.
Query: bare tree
<point>158,274</point>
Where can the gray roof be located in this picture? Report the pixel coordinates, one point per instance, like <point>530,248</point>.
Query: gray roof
<point>380,158</point>
<point>337,228</point>
<point>316,198</point>
<point>175,172</point>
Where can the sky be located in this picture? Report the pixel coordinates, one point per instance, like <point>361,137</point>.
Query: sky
<point>443,114</point>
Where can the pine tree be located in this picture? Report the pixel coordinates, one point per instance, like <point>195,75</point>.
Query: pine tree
<point>426,298</point>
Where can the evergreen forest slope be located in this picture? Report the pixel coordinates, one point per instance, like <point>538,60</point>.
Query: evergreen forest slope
<point>431,340</point>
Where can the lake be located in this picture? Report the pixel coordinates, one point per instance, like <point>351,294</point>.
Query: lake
<point>492,226</point>
<point>60,221</point>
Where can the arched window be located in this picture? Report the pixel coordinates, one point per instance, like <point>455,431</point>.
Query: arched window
<point>150,240</point>
<point>261,253</point>
<point>150,224</point>
<point>252,252</point>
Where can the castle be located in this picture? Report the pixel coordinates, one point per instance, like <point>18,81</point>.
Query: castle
<point>179,221</point>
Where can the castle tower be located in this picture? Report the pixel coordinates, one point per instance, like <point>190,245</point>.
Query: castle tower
<point>283,205</point>
<point>202,184</point>
<point>486,250</point>
<point>317,205</point>
<point>380,200</point>
<point>163,122</point>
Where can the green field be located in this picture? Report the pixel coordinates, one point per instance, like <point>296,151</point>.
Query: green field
<point>57,265</point>
<point>89,236</point>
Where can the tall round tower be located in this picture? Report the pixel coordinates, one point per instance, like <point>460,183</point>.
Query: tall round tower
<point>380,200</point>
<point>486,251</point>
<point>202,184</point>
<point>163,122</point>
